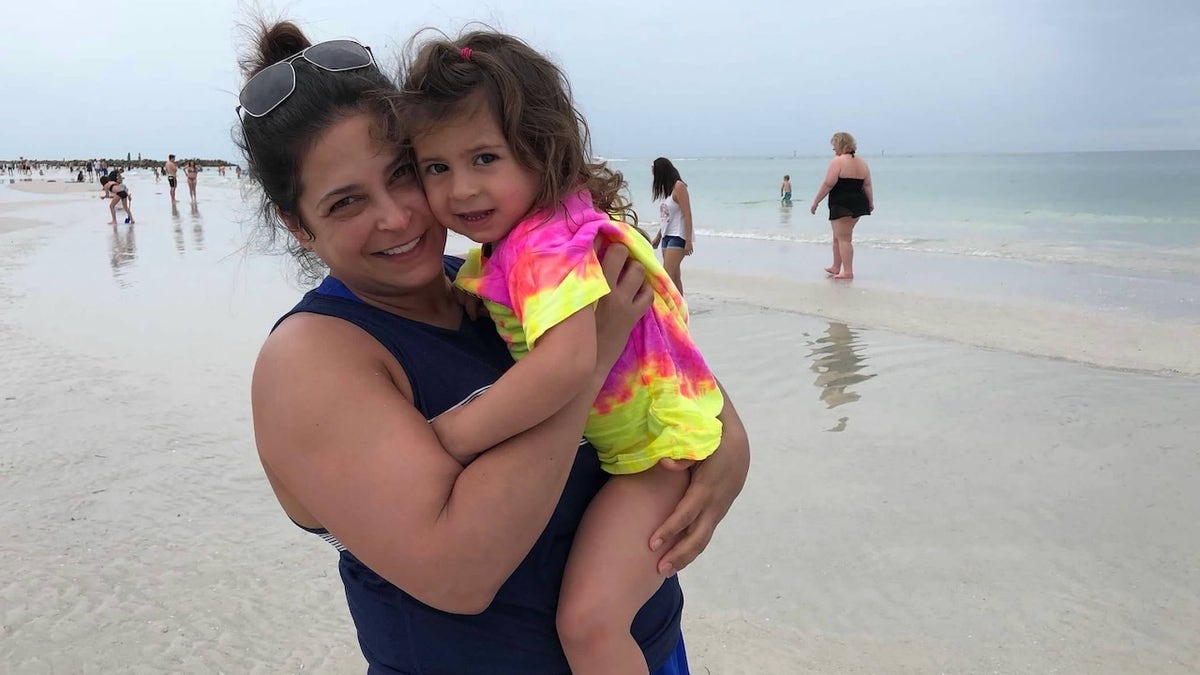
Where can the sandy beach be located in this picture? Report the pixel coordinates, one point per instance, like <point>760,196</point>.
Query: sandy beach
<point>944,480</point>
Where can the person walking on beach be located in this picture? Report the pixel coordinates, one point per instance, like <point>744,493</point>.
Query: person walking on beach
<point>785,190</point>
<point>170,169</point>
<point>191,172</point>
<point>848,184</point>
<point>675,218</point>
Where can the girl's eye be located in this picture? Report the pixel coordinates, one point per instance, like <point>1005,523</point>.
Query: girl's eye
<point>486,158</point>
<point>401,171</point>
<point>436,168</point>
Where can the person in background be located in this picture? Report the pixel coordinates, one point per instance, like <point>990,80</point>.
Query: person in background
<point>119,194</point>
<point>676,233</point>
<point>191,171</point>
<point>848,184</point>
<point>170,169</point>
<point>785,190</point>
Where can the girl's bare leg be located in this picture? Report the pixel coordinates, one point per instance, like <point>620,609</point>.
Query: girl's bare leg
<point>612,571</point>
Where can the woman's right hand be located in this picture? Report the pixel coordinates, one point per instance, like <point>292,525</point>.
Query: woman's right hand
<point>617,312</point>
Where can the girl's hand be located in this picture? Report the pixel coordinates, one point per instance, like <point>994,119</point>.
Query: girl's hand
<point>617,312</point>
<point>688,247</point>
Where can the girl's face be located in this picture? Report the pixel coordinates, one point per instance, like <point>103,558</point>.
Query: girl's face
<point>369,219</point>
<point>474,182</point>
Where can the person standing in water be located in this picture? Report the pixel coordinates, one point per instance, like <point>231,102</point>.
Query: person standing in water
<point>191,172</point>
<point>848,184</point>
<point>675,216</point>
<point>170,169</point>
<point>119,194</point>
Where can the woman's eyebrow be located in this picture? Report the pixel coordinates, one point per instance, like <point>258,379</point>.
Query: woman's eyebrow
<point>337,192</point>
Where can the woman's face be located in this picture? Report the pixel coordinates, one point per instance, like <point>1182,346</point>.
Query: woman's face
<point>370,221</point>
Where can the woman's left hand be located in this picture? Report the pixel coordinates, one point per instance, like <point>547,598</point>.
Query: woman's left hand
<point>716,482</point>
<point>688,247</point>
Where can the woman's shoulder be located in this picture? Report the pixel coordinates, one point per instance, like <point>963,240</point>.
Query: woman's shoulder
<point>313,341</point>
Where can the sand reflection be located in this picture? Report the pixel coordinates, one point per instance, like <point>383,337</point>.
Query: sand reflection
<point>839,362</point>
<point>122,252</point>
<point>197,228</point>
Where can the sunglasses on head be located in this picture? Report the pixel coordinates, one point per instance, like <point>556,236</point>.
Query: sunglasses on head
<point>272,85</point>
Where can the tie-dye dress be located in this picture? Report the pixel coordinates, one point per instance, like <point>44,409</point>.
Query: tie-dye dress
<point>660,399</point>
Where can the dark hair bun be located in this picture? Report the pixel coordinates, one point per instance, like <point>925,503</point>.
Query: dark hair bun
<point>276,42</point>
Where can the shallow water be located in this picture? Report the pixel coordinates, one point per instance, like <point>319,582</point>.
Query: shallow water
<point>1125,211</point>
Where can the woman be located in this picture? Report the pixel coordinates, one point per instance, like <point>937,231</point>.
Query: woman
<point>190,171</point>
<point>848,184</point>
<point>675,216</point>
<point>447,569</point>
<point>115,186</point>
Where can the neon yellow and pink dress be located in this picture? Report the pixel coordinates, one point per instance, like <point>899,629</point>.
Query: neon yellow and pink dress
<point>660,399</point>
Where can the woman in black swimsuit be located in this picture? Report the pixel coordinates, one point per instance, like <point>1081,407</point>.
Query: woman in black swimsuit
<point>848,184</point>
<point>116,188</point>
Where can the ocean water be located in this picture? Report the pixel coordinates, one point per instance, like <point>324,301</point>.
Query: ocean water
<point>1113,232</point>
<point>1136,212</point>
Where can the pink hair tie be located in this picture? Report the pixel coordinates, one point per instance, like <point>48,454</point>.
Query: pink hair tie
<point>466,53</point>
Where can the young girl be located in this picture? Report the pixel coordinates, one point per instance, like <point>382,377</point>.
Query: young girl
<point>503,156</point>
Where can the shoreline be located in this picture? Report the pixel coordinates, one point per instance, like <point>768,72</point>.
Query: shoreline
<point>910,294</point>
<point>1061,333</point>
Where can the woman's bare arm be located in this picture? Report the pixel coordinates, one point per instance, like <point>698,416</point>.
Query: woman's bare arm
<point>867,187</point>
<point>831,179</point>
<point>338,436</point>
<point>681,196</point>
<point>715,483</point>
<point>531,391</point>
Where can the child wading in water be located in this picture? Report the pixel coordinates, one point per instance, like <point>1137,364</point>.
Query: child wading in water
<point>503,156</point>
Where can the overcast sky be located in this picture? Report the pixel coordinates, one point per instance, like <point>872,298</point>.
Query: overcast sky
<point>682,79</point>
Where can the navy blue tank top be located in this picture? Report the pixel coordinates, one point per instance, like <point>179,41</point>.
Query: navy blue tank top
<point>516,634</point>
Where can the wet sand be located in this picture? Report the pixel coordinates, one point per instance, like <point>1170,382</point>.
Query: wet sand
<point>42,187</point>
<point>915,505</point>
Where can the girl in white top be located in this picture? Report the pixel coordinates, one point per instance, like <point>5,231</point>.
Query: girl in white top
<point>675,216</point>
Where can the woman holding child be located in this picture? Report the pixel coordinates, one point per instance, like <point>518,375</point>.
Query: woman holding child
<point>452,562</point>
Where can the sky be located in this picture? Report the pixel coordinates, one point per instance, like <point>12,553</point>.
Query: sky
<point>702,78</point>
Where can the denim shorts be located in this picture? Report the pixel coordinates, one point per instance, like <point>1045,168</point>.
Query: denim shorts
<point>671,241</point>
